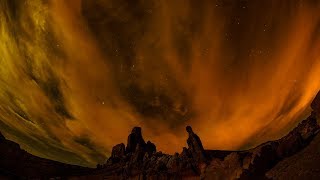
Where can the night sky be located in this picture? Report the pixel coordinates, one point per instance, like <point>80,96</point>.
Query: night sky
<point>77,75</point>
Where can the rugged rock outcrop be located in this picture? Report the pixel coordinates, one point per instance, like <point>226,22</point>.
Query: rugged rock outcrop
<point>117,154</point>
<point>140,160</point>
<point>195,161</point>
<point>195,146</point>
<point>135,139</point>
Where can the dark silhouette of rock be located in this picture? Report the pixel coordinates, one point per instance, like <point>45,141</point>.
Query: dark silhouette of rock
<point>2,137</point>
<point>134,139</point>
<point>117,154</point>
<point>15,163</point>
<point>150,147</point>
<point>118,151</point>
<point>195,146</point>
<point>144,161</point>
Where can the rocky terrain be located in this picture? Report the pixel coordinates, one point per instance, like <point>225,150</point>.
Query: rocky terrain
<point>295,156</point>
<point>16,163</point>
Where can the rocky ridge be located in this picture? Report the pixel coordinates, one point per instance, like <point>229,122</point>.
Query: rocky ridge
<point>16,163</point>
<point>137,161</point>
<point>141,160</point>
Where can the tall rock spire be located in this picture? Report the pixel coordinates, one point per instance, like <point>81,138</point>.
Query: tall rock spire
<point>134,139</point>
<point>195,146</point>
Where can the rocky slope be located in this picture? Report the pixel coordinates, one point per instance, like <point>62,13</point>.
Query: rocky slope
<point>306,163</point>
<point>16,163</point>
<point>295,156</point>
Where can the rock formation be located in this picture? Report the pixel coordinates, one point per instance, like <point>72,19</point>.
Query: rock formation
<point>195,161</point>
<point>135,139</point>
<point>118,153</point>
<point>140,160</point>
<point>195,146</point>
